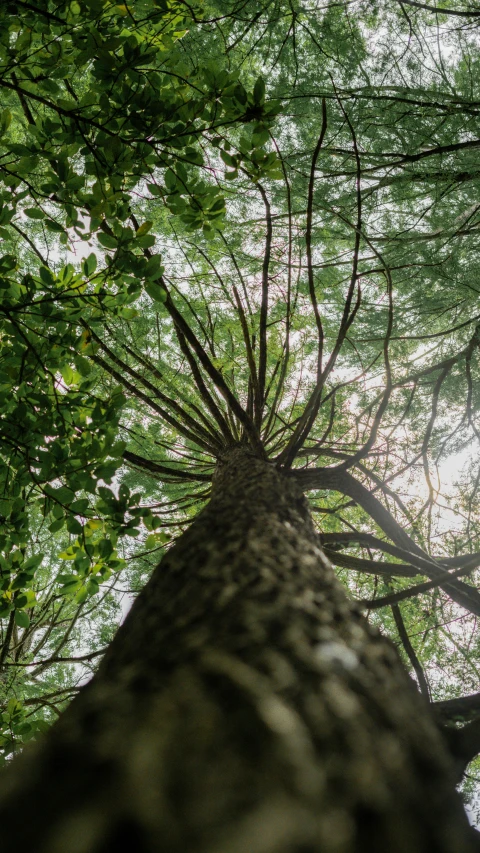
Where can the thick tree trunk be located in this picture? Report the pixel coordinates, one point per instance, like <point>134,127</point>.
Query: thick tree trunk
<point>245,706</point>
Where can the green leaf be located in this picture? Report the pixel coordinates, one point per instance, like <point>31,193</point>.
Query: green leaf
<point>93,586</point>
<point>14,706</point>
<point>21,581</point>
<point>218,206</point>
<point>259,91</point>
<point>63,494</point>
<point>74,526</point>
<point>66,579</point>
<point>22,619</point>
<point>145,242</point>
<point>107,240</point>
<point>51,225</point>
<point>47,276</point>
<point>128,313</point>
<point>156,291</point>
<point>90,264</point>
<point>153,268</point>
<point>34,213</point>
<point>170,179</point>
<point>5,120</point>
<point>143,229</point>
<point>80,506</point>
<point>82,595</point>
<point>32,562</point>
<point>228,159</point>
<point>67,374</point>
<point>7,263</point>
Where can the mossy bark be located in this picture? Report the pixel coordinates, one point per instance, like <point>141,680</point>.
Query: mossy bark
<point>245,706</point>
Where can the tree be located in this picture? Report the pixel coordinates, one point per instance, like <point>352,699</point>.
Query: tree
<point>314,234</point>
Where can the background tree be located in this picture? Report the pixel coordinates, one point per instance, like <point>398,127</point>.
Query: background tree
<point>310,325</point>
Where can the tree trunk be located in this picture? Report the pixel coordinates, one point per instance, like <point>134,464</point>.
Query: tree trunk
<point>245,706</point>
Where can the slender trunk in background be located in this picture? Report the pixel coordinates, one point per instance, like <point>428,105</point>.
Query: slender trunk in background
<point>245,706</point>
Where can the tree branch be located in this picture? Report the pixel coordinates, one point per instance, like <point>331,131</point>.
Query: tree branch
<point>156,468</point>
<point>402,595</point>
<point>343,482</point>
<point>461,708</point>
<point>372,567</point>
<point>439,10</point>
<point>410,651</point>
<point>262,359</point>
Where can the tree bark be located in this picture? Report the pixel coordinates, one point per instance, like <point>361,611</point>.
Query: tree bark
<point>245,706</point>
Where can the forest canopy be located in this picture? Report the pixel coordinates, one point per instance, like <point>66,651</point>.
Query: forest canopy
<point>229,222</point>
